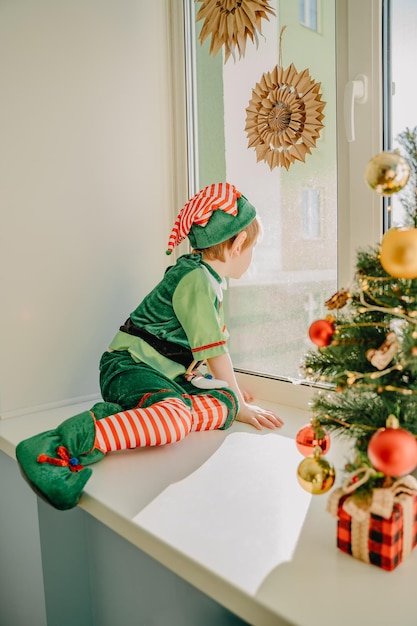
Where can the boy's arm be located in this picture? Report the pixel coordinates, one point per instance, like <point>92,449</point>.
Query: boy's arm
<point>221,367</point>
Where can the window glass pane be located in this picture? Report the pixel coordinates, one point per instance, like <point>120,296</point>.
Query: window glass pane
<point>402,15</point>
<point>308,13</point>
<point>311,213</point>
<point>294,269</point>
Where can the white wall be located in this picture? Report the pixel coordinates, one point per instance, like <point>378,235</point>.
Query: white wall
<point>86,175</point>
<point>20,551</point>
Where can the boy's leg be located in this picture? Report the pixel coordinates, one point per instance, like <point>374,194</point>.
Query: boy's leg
<point>166,421</point>
<point>208,413</point>
<point>54,462</point>
<point>214,408</point>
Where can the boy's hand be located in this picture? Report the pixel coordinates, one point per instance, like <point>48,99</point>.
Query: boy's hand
<point>258,417</point>
<point>221,367</point>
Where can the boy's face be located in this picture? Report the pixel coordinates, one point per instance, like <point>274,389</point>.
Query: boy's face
<point>241,261</point>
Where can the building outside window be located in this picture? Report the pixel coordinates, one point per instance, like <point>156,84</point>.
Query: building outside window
<point>310,197</point>
<point>308,14</point>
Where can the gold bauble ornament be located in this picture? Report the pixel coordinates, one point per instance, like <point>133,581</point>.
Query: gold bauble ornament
<point>399,252</point>
<point>315,474</point>
<point>387,173</point>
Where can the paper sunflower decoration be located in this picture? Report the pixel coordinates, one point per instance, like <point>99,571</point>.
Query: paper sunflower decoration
<point>284,116</point>
<point>231,22</point>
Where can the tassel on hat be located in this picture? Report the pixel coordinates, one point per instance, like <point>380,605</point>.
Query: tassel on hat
<point>199,209</point>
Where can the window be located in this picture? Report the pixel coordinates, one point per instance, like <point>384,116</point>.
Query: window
<point>308,13</point>
<point>311,212</point>
<point>319,212</point>
<point>401,47</point>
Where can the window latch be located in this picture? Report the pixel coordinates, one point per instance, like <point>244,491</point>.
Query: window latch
<point>356,92</point>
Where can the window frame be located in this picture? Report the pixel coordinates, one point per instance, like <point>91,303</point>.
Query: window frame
<point>359,49</point>
<point>360,211</point>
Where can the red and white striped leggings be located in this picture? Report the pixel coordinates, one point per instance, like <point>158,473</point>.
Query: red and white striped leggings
<point>167,421</point>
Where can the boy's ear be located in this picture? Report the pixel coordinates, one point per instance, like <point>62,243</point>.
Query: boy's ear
<point>238,243</point>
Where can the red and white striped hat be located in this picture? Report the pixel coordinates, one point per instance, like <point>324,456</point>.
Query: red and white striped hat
<point>211,216</point>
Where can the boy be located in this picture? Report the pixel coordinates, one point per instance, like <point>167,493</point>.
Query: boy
<point>152,389</point>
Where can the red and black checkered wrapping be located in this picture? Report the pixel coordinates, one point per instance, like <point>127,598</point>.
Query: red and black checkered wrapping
<point>385,539</point>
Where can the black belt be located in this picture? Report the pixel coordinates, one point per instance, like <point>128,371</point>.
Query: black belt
<point>169,349</point>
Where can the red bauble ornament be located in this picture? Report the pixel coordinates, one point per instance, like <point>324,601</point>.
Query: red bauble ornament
<point>393,451</point>
<point>321,332</point>
<point>307,439</point>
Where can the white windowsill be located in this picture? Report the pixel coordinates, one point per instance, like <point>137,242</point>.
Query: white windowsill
<point>273,559</point>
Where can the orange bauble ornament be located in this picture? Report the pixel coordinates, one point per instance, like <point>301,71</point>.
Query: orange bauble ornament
<point>393,450</point>
<point>399,252</point>
<point>321,332</point>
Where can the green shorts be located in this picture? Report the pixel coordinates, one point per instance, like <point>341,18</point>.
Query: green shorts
<point>131,384</point>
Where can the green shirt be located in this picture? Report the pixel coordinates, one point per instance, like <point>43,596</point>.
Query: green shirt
<point>185,308</point>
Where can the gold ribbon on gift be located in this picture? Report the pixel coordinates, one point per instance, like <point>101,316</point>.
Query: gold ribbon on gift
<point>380,502</point>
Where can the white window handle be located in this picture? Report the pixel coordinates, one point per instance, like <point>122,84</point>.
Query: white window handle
<point>356,92</point>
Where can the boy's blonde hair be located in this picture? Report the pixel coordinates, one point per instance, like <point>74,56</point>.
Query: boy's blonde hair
<point>216,252</point>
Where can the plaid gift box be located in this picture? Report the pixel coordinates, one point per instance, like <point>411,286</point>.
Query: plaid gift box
<point>384,530</point>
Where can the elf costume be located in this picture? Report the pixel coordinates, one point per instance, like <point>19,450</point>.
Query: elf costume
<point>152,388</point>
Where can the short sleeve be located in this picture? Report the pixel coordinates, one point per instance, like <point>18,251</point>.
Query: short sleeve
<point>200,313</point>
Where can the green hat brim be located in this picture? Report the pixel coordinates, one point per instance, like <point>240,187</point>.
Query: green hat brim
<point>222,226</point>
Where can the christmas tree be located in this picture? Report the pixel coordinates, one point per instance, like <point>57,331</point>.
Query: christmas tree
<point>366,354</point>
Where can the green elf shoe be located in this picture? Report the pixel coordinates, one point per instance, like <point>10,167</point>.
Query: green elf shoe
<point>53,462</point>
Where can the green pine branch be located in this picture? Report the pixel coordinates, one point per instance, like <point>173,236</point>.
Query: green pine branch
<point>369,370</point>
